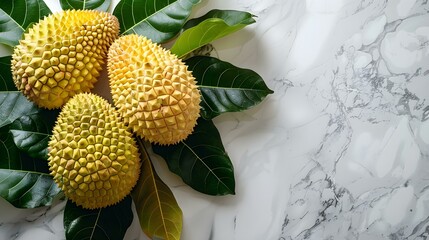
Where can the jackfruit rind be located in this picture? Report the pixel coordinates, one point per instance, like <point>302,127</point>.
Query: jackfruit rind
<point>62,55</point>
<point>153,89</point>
<point>92,156</point>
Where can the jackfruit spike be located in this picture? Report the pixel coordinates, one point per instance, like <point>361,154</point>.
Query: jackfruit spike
<point>67,47</point>
<point>104,167</point>
<point>164,86</point>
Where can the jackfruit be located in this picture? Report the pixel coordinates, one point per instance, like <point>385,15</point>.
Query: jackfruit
<point>92,156</point>
<point>153,89</point>
<point>62,55</point>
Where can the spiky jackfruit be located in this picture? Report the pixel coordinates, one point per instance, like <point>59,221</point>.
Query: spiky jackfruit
<point>92,156</point>
<point>62,55</point>
<point>153,90</point>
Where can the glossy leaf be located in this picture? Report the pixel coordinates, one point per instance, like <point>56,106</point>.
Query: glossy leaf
<point>201,160</point>
<point>105,223</point>
<point>25,189</point>
<point>17,15</point>
<point>6,81</point>
<point>11,157</point>
<point>24,181</point>
<point>225,87</point>
<point>159,20</point>
<point>204,30</point>
<point>160,215</point>
<point>231,17</point>
<point>31,134</point>
<point>33,143</point>
<point>102,5</point>
<point>14,105</point>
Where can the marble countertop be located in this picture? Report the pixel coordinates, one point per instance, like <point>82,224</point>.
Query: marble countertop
<point>339,151</point>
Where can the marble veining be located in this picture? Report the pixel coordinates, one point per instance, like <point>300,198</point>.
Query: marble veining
<point>340,151</point>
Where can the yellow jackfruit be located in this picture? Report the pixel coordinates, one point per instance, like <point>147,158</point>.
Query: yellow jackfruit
<point>62,55</point>
<point>92,156</point>
<point>154,91</point>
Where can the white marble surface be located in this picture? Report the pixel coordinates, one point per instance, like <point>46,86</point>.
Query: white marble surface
<point>340,151</point>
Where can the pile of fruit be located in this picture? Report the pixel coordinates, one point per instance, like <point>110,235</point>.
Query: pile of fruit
<point>58,138</point>
<point>92,154</point>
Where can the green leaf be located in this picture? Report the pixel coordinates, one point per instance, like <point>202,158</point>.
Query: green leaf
<point>105,223</point>
<point>25,189</point>
<point>231,17</point>
<point>29,125</point>
<point>14,159</point>
<point>16,16</point>
<point>17,113</point>
<point>225,87</point>
<point>214,25</point>
<point>33,143</point>
<point>32,133</point>
<point>201,160</point>
<point>14,105</point>
<point>160,215</point>
<point>24,181</point>
<point>101,5</point>
<point>159,20</point>
<point>6,81</point>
